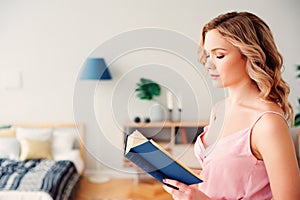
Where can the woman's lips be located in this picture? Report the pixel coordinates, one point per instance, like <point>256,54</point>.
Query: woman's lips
<point>214,76</point>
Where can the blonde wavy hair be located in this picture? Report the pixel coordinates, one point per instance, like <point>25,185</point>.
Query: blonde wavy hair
<point>255,41</point>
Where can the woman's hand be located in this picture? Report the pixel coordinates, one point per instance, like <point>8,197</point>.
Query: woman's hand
<point>185,192</point>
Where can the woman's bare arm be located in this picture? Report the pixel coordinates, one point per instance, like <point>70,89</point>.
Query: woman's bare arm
<point>272,140</point>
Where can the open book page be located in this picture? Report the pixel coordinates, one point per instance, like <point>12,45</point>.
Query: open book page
<point>135,139</point>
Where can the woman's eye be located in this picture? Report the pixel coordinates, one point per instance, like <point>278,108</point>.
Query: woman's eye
<point>220,57</point>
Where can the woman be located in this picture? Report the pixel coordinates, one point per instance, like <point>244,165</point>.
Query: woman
<point>252,156</point>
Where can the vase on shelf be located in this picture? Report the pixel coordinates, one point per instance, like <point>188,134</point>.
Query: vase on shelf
<point>176,115</point>
<point>157,112</point>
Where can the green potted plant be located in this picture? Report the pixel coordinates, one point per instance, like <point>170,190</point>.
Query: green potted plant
<point>148,89</point>
<point>297,116</point>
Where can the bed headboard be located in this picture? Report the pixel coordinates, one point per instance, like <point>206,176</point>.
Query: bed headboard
<point>60,126</point>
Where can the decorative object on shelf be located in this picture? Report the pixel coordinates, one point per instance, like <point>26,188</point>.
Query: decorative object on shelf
<point>170,115</point>
<point>147,120</point>
<point>179,106</point>
<point>176,115</point>
<point>137,120</point>
<point>174,112</point>
<point>178,111</point>
<point>170,105</point>
<point>95,69</point>
<point>157,113</point>
<point>297,116</point>
<point>148,90</point>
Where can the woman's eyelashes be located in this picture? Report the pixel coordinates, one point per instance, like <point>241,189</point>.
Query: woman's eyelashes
<point>216,56</point>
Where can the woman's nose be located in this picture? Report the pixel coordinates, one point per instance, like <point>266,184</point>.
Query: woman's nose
<point>209,64</point>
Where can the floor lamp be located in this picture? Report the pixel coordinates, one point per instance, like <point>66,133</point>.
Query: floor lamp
<point>95,69</point>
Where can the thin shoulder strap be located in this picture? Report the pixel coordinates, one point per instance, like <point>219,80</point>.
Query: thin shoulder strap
<point>267,112</point>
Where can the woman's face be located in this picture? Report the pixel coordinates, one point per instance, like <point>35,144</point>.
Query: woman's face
<point>225,63</point>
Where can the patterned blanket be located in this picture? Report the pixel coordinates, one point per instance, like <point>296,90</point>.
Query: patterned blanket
<point>57,178</point>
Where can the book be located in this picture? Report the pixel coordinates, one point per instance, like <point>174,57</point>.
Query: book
<point>156,161</point>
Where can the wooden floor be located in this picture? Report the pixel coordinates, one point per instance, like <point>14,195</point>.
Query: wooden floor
<point>121,189</point>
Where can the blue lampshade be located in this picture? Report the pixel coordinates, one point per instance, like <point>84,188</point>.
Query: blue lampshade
<point>95,69</point>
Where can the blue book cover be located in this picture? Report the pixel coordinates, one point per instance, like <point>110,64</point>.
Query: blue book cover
<point>153,159</point>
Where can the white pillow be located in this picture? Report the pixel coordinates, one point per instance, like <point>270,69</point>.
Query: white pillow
<point>34,133</point>
<point>70,155</point>
<point>62,141</point>
<point>9,148</point>
<point>73,156</point>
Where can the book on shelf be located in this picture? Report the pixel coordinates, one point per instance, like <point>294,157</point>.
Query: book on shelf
<point>156,161</point>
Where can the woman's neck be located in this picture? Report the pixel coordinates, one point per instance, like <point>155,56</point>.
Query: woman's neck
<point>243,92</point>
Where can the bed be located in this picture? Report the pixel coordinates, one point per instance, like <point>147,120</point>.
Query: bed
<point>40,162</point>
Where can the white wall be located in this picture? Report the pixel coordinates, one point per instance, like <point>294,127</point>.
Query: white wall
<point>47,42</point>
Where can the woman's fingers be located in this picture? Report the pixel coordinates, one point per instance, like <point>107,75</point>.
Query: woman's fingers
<point>183,191</point>
<point>176,194</point>
<point>176,184</point>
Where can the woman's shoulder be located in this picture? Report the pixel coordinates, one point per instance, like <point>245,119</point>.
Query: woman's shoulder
<point>269,115</point>
<point>270,121</point>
